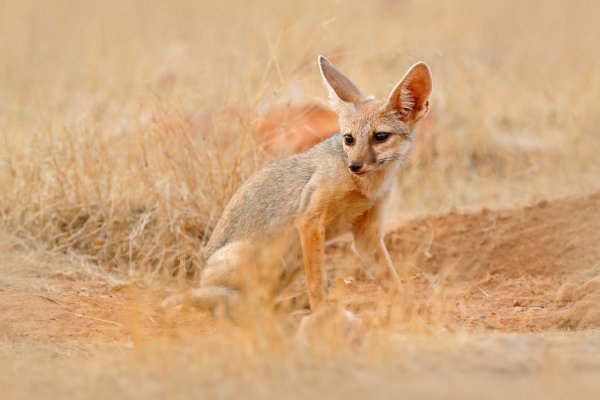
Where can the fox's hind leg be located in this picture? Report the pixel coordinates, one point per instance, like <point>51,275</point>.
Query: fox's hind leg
<point>220,281</point>
<point>235,271</point>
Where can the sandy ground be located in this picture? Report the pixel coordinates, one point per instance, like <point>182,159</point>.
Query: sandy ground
<point>521,281</point>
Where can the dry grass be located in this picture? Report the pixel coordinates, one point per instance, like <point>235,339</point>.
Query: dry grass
<point>102,158</point>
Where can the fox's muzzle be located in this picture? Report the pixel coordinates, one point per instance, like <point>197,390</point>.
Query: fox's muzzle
<point>355,166</point>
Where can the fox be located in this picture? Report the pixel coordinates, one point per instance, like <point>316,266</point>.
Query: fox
<point>282,216</point>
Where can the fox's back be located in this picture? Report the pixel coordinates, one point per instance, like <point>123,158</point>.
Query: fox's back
<point>266,204</point>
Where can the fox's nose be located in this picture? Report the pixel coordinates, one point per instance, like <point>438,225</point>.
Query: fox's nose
<point>355,166</point>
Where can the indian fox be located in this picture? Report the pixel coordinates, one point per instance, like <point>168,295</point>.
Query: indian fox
<point>287,210</point>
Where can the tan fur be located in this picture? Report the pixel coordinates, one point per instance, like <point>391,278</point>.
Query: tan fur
<point>292,206</point>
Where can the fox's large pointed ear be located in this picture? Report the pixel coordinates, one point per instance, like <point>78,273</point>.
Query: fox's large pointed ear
<point>339,86</point>
<point>410,97</point>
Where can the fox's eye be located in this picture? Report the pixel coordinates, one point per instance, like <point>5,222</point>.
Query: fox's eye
<point>349,140</point>
<point>381,136</point>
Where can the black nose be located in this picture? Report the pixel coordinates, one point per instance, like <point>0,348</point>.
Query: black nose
<point>355,166</point>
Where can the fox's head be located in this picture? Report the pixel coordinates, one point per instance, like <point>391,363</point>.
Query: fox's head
<point>377,133</point>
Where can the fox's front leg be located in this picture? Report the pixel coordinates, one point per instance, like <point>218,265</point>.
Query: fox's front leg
<point>312,238</point>
<point>368,244</point>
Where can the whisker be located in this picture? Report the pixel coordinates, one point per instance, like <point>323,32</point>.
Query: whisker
<point>394,157</point>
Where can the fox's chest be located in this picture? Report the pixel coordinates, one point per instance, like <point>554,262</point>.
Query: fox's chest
<point>353,206</point>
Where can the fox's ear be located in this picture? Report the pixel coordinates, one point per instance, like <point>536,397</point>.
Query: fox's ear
<point>338,85</point>
<point>410,97</point>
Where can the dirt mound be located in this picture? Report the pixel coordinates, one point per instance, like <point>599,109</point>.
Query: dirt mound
<point>501,269</point>
<point>529,269</point>
<point>548,239</point>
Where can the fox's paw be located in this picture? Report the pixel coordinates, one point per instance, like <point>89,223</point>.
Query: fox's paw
<point>331,322</point>
<point>172,301</point>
